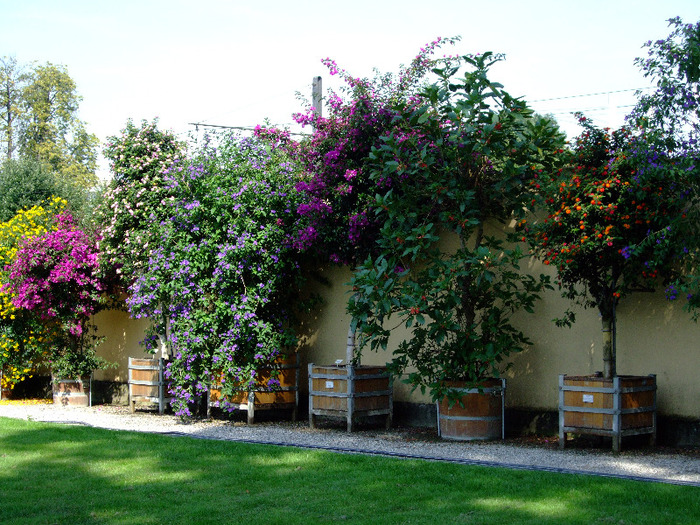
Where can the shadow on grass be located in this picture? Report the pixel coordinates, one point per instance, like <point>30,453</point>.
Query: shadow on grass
<point>65,474</point>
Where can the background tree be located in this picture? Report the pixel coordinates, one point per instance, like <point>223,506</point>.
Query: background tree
<point>27,182</point>
<point>12,77</point>
<point>39,116</point>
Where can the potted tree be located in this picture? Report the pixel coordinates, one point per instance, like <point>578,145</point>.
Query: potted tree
<point>459,161</point>
<point>73,358</point>
<point>617,220</point>
<point>335,223</point>
<point>55,278</point>
<point>610,230</point>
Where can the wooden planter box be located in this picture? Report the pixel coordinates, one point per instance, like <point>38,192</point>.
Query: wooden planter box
<point>263,397</point>
<point>478,416</point>
<point>617,407</point>
<point>72,392</point>
<point>146,384</point>
<point>349,392</point>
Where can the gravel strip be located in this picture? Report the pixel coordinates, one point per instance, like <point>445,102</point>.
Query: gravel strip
<point>663,465</point>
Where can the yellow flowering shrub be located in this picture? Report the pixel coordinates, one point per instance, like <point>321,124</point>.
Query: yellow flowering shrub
<point>19,337</point>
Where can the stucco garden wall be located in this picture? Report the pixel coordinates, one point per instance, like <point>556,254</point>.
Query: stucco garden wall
<point>654,337</point>
<point>122,335</point>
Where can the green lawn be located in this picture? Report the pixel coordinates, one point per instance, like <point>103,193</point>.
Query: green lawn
<point>71,475</point>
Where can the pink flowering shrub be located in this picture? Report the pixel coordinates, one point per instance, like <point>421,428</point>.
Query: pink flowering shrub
<point>333,219</point>
<point>56,278</point>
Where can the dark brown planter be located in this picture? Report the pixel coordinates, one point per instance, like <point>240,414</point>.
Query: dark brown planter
<point>263,397</point>
<point>72,392</point>
<point>479,414</point>
<point>349,392</point>
<point>617,407</point>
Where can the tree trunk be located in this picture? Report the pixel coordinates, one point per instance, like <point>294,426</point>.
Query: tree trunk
<point>350,346</point>
<point>609,358</point>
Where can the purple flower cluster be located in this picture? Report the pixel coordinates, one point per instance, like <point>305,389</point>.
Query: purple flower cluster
<point>223,268</point>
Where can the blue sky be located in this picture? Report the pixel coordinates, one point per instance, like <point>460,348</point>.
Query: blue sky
<point>237,63</point>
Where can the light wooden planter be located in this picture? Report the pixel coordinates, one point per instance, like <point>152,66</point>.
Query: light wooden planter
<point>349,392</point>
<point>479,416</point>
<point>263,397</point>
<point>72,392</point>
<point>617,407</point>
<point>146,384</point>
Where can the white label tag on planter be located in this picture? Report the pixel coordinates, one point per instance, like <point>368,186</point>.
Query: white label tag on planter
<point>329,384</point>
<point>588,398</point>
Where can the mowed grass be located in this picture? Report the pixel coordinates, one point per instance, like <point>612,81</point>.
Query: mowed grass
<point>64,474</point>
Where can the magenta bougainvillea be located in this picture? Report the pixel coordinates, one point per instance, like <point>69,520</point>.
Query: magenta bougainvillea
<point>56,278</point>
<point>334,220</point>
<point>57,275</point>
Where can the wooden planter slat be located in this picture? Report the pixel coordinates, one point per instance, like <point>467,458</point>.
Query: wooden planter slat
<point>349,392</point>
<point>262,397</point>
<point>617,407</point>
<point>146,382</point>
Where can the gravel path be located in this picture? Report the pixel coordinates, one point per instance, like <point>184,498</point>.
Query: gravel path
<point>662,465</point>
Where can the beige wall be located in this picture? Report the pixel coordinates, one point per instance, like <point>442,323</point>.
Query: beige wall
<point>654,337</point>
<point>122,335</point>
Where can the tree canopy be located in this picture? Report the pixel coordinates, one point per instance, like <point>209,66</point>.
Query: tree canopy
<point>39,106</point>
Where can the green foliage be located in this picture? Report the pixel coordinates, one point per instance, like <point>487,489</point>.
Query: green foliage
<point>79,360</point>
<point>459,160</point>
<point>39,116</point>
<point>27,182</point>
<point>222,277</point>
